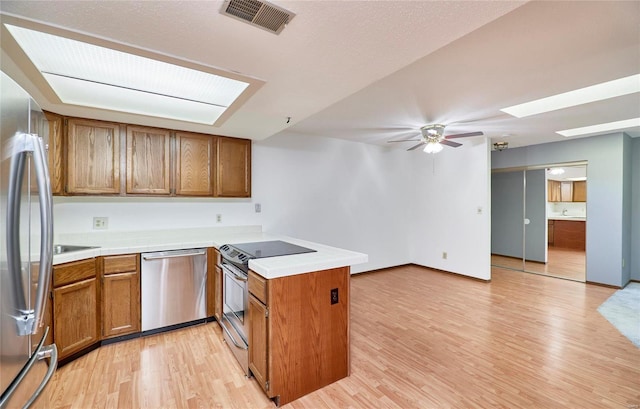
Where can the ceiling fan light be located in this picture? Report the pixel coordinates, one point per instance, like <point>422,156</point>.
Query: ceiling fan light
<point>432,147</point>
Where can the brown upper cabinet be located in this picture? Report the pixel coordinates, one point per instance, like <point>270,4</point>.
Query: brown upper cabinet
<point>233,177</point>
<point>148,156</point>
<point>566,191</point>
<point>580,191</point>
<point>194,164</point>
<point>554,191</point>
<point>86,158</point>
<point>93,157</point>
<point>54,153</point>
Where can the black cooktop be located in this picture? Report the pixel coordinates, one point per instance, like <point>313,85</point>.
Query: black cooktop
<point>263,249</point>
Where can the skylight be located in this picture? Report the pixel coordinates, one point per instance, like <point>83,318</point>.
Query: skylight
<point>598,92</point>
<point>89,75</point>
<point>610,126</point>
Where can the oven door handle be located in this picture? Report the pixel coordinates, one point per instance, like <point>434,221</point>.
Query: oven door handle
<point>230,271</point>
<point>224,327</point>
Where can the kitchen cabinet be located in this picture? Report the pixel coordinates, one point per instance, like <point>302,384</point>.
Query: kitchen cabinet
<point>298,329</point>
<point>214,284</point>
<point>85,159</point>
<point>55,153</point>
<point>233,167</point>
<point>75,306</point>
<point>580,191</point>
<point>550,232</point>
<point>148,160</point>
<point>120,295</point>
<point>554,191</point>
<point>194,164</point>
<point>259,342</point>
<point>566,191</point>
<point>93,157</point>
<point>569,234</point>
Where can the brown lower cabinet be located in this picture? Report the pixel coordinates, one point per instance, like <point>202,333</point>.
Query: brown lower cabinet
<point>120,295</point>
<point>570,234</point>
<point>214,284</point>
<point>75,306</point>
<point>299,332</point>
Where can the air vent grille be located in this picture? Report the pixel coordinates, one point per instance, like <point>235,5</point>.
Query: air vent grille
<point>258,13</point>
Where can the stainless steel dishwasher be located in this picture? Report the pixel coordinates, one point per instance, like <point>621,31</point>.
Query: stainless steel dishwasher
<point>173,287</point>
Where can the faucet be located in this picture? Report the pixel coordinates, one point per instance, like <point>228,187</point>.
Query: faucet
<point>564,212</point>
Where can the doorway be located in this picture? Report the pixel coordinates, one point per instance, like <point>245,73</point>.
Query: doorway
<point>538,220</point>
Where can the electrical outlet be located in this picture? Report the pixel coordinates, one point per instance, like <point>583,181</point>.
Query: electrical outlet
<point>444,255</point>
<point>622,263</point>
<point>218,218</point>
<point>258,207</point>
<point>334,296</point>
<point>100,223</point>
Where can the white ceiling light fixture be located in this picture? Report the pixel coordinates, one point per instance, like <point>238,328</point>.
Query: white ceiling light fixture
<point>598,92</point>
<point>432,147</point>
<point>577,179</point>
<point>89,75</point>
<point>609,126</point>
<point>556,171</point>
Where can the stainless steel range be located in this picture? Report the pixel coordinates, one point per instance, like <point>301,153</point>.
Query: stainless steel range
<point>235,293</point>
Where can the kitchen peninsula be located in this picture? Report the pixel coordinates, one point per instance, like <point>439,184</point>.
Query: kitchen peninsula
<point>298,311</point>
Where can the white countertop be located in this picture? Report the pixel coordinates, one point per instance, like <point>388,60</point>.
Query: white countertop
<point>112,243</point>
<point>570,218</point>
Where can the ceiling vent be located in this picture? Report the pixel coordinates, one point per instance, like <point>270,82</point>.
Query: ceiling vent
<point>258,13</point>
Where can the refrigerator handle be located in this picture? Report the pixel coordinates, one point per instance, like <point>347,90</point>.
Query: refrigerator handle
<point>46,229</point>
<point>41,352</point>
<point>28,321</point>
<point>23,317</point>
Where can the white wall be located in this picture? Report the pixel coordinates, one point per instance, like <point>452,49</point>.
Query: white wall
<point>331,191</point>
<point>387,203</point>
<point>448,189</point>
<point>335,192</point>
<point>605,197</point>
<point>635,209</point>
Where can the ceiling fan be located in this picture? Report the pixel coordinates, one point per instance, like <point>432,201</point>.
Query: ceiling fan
<point>432,136</point>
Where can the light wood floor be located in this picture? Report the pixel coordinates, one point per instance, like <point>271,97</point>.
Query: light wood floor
<point>420,339</point>
<point>562,263</point>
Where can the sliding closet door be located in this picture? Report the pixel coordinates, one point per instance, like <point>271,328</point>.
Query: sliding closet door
<point>535,222</point>
<point>507,215</point>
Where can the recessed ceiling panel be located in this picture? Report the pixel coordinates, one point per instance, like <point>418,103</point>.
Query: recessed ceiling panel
<point>89,75</point>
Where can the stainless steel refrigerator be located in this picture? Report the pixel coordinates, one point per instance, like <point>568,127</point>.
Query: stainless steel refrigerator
<point>26,250</point>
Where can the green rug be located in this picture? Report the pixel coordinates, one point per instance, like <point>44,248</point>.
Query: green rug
<point>622,310</point>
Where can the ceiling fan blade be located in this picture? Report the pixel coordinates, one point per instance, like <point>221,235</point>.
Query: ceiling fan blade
<point>416,146</point>
<point>450,143</point>
<point>464,135</point>
<point>405,140</point>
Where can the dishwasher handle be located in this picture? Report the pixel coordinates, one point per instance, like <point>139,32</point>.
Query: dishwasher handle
<point>173,254</point>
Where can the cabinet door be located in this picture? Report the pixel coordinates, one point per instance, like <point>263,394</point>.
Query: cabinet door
<point>566,191</point>
<point>212,295</point>
<point>120,304</point>
<point>259,342</point>
<point>55,153</point>
<point>553,191</point>
<point>148,156</point>
<point>580,191</point>
<point>233,167</point>
<point>93,157</point>
<point>75,316</point>
<point>218,291</point>
<point>120,295</point>
<point>194,154</point>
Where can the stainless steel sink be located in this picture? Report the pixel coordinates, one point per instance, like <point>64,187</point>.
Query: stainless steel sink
<point>65,248</point>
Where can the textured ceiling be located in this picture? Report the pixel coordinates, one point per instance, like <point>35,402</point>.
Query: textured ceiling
<point>355,69</point>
